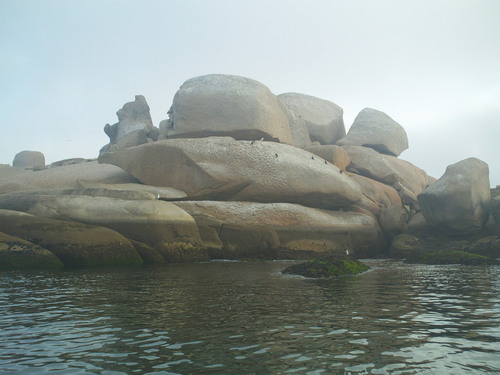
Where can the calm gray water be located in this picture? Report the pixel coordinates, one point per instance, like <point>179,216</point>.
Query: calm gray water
<point>247,318</point>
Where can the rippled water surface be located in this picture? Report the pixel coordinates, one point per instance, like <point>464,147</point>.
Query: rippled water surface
<point>247,318</point>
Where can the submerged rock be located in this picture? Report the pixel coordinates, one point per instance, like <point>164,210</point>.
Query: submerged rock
<point>449,257</point>
<point>327,267</point>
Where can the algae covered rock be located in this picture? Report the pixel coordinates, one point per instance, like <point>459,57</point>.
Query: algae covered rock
<point>449,257</point>
<point>327,267</point>
<point>16,253</point>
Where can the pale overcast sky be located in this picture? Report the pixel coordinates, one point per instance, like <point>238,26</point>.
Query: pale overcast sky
<point>66,67</point>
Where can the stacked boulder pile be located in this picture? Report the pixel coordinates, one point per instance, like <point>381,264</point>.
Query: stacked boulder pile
<point>235,172</point>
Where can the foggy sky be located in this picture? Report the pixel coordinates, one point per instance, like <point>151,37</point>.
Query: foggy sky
<point>66,67</point>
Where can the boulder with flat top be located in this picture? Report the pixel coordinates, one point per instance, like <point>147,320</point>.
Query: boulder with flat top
<point>227,105</point>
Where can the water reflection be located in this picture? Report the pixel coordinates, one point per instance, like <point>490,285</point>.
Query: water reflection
<point>247,318</point>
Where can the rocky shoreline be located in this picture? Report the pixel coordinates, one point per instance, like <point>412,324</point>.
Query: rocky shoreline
<point>237,172</point>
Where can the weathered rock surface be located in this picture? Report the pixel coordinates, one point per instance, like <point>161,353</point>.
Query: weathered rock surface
<point>222,168</point>
<point>16,253</point>
<point>332,153</point>
<point>134,126</point>
<point>408,179</point>
<point>324,119</point>
<point>374,129</point>
<point>14,179</point>
<point>75,244</point>
<point>298,128</point>
<point>459,200</point>
<point>157,192</point>
<point>286,231</point>
<point>29,160</point>
<point>161,225</point>
<point>225,105</point>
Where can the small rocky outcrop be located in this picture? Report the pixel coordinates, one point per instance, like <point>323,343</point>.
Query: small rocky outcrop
<point>331,266</point>
<point>459,201</point>
<point>226,105</point>
<point>75,244</point>
<point>16,253</point>
<point>374,129</point>
<point>221,168</point>
<point>324,119</point>
<point>29,160</point>
<point>134,126</point>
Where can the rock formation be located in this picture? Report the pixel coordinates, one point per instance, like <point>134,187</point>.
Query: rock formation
<point>222,168</point>
<point>225,105</point>
<point>374,129</point>
<point>134,126</point>
<point>29,160</point>
<point>460,200</point>
<point>323,118</point>
<point>239,173</point>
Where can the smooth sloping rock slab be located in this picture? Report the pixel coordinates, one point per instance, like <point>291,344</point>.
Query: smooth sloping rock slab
<point>387,169</point>
<point>225,169</point>
<point>75,244</point>
<point>159,192</point>
<point>374,129</point>
<point>161,225</point>
<point>227,105</point>
<point>288,231</point>
<point>14,180</point>
<point>16,253</point>
<point>324,119</point>
<point>460,199</point>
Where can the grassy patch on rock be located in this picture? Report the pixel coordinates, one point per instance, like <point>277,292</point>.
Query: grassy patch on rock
<point>327,267</point>
<point>449,257</point>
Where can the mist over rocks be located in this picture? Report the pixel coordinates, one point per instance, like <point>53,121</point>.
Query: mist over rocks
<point>237,172</point>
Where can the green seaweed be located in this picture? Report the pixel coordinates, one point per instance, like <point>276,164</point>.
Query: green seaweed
<point>327,267</point>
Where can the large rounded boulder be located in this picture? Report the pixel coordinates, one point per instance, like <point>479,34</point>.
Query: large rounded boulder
<point>29,160</point>
<point>226,105</point>
<point>459,200</point>
<point>375,129</point>
<point>324,119</point>
<point>220,168</point>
